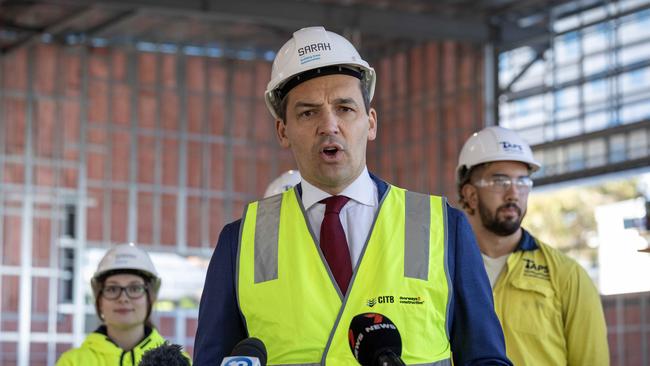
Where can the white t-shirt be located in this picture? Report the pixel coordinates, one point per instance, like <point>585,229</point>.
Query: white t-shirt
<point>494,266</point>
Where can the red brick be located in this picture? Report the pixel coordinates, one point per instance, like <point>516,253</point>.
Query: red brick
<point>42,239</point>
<point>469,54</point>
<point>63,325</point>
<point>98,101</point>
<point>96,165</point>
<point>72,74</point>
<point>45,76</point>
<point>15,70</point>
<point>45,128</point>
<point>216,220</point>
<point>415,62</point>
<point>195,113</point>
<point>242,118</point>
<point>37,351</point>
<point>119,215</point>
<point>71,114</point>
<point>14,129</point>
<point>195,71</point>
<point>11,243</point>
<point>170,162</point>
<point>450,59</point>
<point>147,65</point>
<point>121,106</point>
<point>98,63</point>
<point>217,76</point>
<point>13,174</point>
<point>120,153</point>
<point>264,125</point>
<point>9,350</point>
<point>431,72</point>
<point>169,71</point>
<point>194,164</point>
<point>147,109</point>
<point>44,176</point>
<point>170,111</point>
<point>193,222</point>
<point>242,82</point>
<point>168,217</point>
<point>9,298</point>
<point>95,215</point>
<point>263,169</point>
<point>146,159</point>
<point>119,60</point>
<point>217,115</point>
<point>262,77</point>
<point>69,177</point>
<point>217,170</point>
<point>40,293</point>
<point>241,169</point>
<point>145,218</point>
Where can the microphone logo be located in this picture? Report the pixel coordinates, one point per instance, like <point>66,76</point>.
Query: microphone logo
<point>239,361</point>
<point>376,318</point>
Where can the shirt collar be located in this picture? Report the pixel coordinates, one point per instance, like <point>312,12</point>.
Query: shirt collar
<point>527,242</point>
<point>362,190</point>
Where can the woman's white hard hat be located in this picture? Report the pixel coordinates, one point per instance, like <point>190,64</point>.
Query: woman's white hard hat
<point>125,258</point>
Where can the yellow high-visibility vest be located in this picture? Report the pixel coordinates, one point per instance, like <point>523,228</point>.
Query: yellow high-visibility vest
<point>290,300</point>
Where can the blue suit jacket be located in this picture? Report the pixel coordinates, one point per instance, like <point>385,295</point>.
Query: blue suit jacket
<point>475,332</point>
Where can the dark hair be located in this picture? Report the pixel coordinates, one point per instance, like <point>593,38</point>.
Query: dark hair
<point>282,110</point>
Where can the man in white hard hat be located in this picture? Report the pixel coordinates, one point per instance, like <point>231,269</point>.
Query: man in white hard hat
<point>548,306</point>
<point>301,265</point>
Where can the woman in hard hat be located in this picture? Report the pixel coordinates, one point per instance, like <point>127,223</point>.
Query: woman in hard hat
<point>125,286</point>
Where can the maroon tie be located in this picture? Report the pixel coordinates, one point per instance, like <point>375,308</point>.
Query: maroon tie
<point>333,243</point>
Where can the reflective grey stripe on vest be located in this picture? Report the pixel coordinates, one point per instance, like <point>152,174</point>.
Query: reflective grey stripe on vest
<point>267,228</point>
<point>416,236</point>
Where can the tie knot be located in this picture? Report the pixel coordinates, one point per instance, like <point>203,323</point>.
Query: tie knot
<point>334,204</point>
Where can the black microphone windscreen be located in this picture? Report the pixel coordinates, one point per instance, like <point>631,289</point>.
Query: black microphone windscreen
<point>372,335</point>
<point>250,347</point>
<point>166,354</point>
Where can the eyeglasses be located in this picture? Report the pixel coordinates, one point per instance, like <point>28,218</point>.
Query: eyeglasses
<point>133,292</point>
<point>501,184</point>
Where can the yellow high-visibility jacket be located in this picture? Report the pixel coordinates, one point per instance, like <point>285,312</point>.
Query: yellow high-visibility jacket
<point>99,350</point>
<point>549,308</point>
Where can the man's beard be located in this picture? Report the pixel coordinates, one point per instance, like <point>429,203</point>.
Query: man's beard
<point>500,227</point>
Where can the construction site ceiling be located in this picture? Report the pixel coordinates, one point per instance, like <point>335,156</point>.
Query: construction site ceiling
<point>263,26</point>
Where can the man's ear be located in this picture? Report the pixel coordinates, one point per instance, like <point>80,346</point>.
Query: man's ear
<point>281,133</point>
<point>470,195</point>
<point>372,124</point>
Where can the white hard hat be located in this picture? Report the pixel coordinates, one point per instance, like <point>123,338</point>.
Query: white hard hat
<point>494,143</point>
<point>125,258</point>
<point>314,48</point>
<point>283,183</point>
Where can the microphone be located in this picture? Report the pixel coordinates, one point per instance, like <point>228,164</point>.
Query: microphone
<point>166,354</point>
<point>248,352</point>
<point>375,340</point>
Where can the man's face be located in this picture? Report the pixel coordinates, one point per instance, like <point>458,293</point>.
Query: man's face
<point>501,210</point>
<point>327,130</point>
